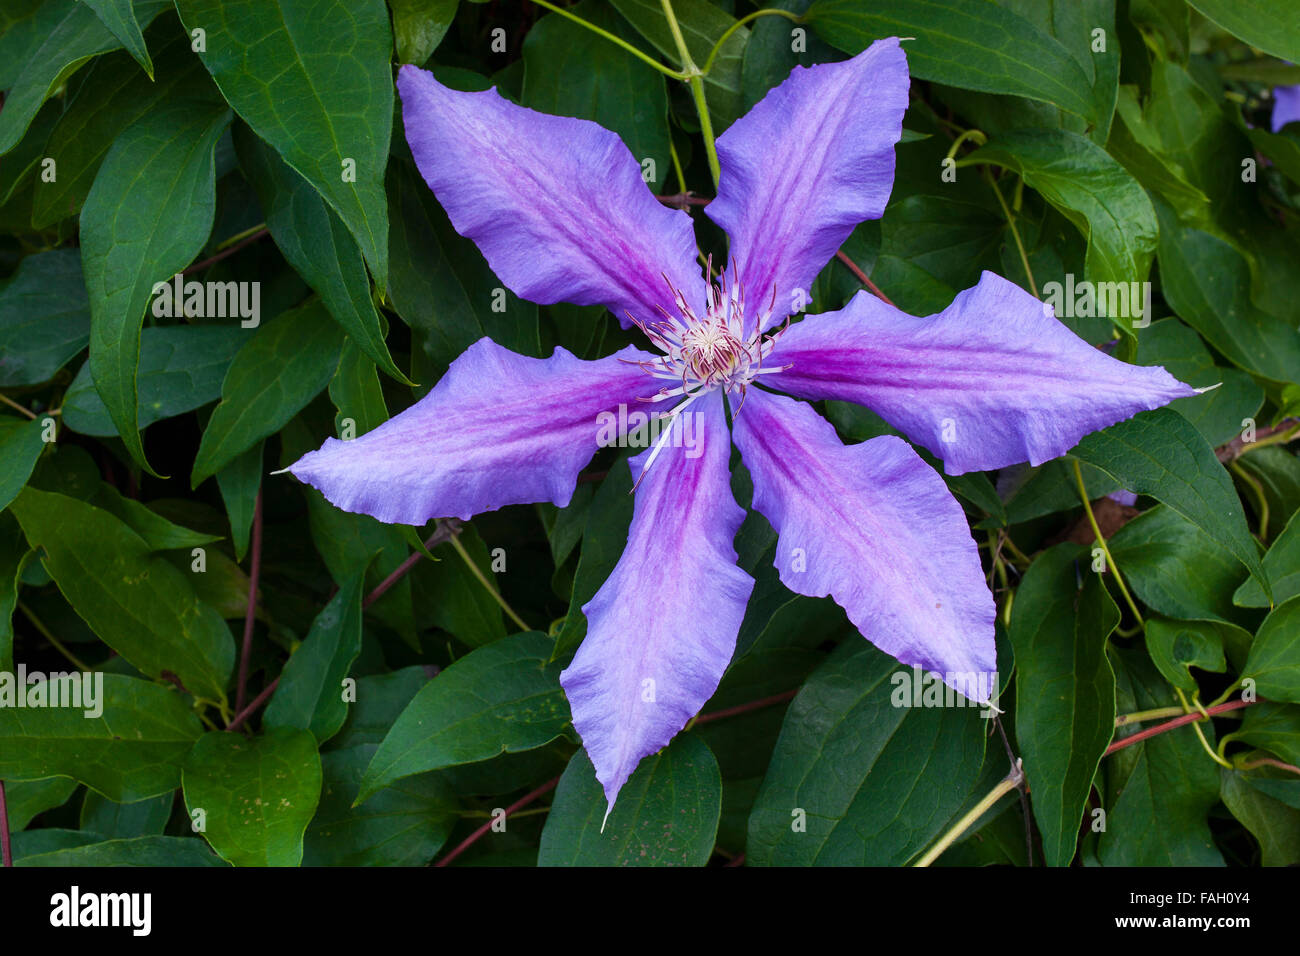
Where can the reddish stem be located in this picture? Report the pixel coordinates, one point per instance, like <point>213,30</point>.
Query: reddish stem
<point>743,708</point>
<point>251,709</point>
<point>1176,722</point>
<point>1271,762</point>
<point>862,277</point>
<point>200,266</point>
<point>514,807</point>
<point>447,529</point>
<point>253,574</point>
<point>6,852</point>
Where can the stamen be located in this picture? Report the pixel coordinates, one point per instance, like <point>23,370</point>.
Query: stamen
<point>720,349</point>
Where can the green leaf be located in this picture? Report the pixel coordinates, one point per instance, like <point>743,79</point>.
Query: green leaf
<point>239,483</point>
<point>1157,792</point>
<point>279,64</point>
<point>137,603</point>
<point>702,25</point>
<point>350,542</point>
<point>23,25</point>
<point>286,364</point>
<point>1065,690</point>
<point>1217,414</point>
<point>1268,24</point>
<point>571,71</point>
<point>1274,661</point>
<point>449,596</point>
<point>181,369</point>
<point>1139,147</point>
<point>119,17</point>
<point>404,825</point>
<point>124,821</point>
<point>1175,567</point>
<point>132,751</point>
<point>356,393</point>
<point>855,779</point>
<point>257,796</point>
<point>1273,823</point>
<point>21,443</point>
<point>381,698</point>
<point>1277,471</point>
<point>311,691</point>
<point>771,54</point>
<point>419,26</point>
<point>1178,646</point>
<point>115,95</point>
<point>1093,191</point>
<point>501,698</point>
<point>1273,727</point>
<point>1282,148</point>
<point>317,245</point>
<point>44,317</point>
<point>973,44</point>
<point>27,799</point>
<point>666,814</point>
<point>1281,567</point>
<point>1208,284</point>
<point>71,35</point>
<point>603,542</point>
<point>14,555</point>
<point>1161,454</point>
<point>151,851</point>
<point>147,215</point>
<point>22,162</point>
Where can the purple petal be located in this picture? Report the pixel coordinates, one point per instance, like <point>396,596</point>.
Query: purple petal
<point>498,429</point>
<point>1286,106</point>
<point>556,205</point>
<point>874,527</point>
<point>810,161</point>
<point>990,381</point>
<point>664,625</point>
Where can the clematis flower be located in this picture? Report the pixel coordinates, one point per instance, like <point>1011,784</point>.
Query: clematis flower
<point>559,209</point>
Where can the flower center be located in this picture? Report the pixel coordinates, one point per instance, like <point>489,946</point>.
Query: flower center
<point>718,349</point>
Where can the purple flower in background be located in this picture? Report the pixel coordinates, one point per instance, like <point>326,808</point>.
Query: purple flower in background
<point>560,211</point>
<point>1286,106</point>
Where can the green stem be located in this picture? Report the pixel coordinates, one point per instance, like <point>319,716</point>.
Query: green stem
<point>1279,438</point>
<point>792,17</point>
<point>974,134</point>
<point>692,74</point>
<point>666,71</point>
<point>1232,689</point>
<point>1009,783</point>
<point>1015,233</point>
<point>1261,499</point>
<point>12,404</point>
<point>1158,713</point>
<point>483,580</point>
<point>1101,541</point>
<point>677,166</point>
<point>227,243</point>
